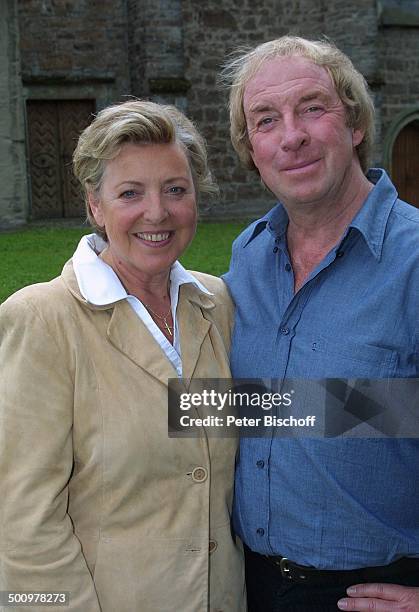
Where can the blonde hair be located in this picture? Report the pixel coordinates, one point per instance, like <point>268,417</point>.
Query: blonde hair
<point>350,85</point>
<point>139,122</point>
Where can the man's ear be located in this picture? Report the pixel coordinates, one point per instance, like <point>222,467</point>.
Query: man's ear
<point>357,137</point>
<point>96,208</point>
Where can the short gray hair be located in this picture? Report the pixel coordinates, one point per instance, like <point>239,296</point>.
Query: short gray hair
<point>139,122</point>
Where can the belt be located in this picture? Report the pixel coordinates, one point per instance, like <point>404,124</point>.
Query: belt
<point>300,573</point>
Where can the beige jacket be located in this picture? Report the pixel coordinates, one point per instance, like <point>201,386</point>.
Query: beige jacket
<point>95,499</point>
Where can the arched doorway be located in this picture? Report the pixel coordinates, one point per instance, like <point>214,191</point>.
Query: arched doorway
<point>405,162</point>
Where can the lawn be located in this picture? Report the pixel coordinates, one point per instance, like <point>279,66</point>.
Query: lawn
<point>38,254</point>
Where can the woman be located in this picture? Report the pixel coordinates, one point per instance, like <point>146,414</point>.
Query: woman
<point>96,499</point>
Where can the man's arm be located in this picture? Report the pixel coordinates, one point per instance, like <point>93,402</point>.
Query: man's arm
<point>381,598</point>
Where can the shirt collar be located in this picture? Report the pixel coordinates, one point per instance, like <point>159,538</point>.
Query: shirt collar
<point>275,222</point>
<point>370,220</point>
<point>98,283</point>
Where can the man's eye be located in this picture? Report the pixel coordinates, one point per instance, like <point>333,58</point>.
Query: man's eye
<point>314,109</point>
<point>265,123</point>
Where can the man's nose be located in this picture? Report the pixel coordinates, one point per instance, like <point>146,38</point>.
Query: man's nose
<point>294,135</point>
<point>155,209</point>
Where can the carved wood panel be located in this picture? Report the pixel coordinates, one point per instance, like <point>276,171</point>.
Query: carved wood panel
<point>44,159</point>
<point>54,127</point>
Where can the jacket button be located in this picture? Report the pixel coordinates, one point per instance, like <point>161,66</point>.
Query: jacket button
<point>212,546</point>
<point>199,474</point>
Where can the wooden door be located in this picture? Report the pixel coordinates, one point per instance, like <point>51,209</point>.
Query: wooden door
<point>405,163</point>
<point>54,127</point>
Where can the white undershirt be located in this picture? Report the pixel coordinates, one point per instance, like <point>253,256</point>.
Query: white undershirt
<point>99,285</point>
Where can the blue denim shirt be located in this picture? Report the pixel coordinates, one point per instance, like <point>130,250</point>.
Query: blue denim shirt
<point>330,503</point>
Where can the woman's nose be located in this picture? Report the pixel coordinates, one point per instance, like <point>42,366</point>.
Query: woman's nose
<point>155,210</point>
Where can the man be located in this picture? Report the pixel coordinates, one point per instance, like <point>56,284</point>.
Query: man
<point>326,286</point>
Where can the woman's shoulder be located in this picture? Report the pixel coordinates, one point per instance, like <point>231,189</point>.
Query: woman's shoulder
<point>36,295</point>
<point>44,315</point>
<point>60,291</point>
<point>215,285</point>
<point>223,313</point>
<point>48,300</point>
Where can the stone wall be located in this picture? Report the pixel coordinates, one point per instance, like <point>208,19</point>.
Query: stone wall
<point>64,41</point>
<point>173,50</point>
<point>400,72</point>
<point>156,53</point>
<point>14,194</point>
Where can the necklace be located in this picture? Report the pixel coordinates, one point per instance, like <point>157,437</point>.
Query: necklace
<point>163,318</point>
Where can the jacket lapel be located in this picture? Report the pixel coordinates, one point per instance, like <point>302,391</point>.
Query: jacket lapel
<point>130,336</point>
<point>193,326</point>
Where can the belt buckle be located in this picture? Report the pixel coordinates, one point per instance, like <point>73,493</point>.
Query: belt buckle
<point>284,567</point>
<point>292,571</point>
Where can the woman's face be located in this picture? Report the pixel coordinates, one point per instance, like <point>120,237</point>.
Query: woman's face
<point>147,205</point>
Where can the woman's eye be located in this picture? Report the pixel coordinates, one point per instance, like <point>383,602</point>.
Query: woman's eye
<point>129,194</point>
<point>176,190</point>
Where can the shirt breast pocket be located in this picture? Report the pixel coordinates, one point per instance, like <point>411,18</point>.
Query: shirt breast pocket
<point>354,360</point>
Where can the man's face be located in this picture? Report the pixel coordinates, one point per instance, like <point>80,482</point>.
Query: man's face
<point>299,137</point>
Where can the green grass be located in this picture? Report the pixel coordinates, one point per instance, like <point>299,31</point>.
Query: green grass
<point>38,254</point>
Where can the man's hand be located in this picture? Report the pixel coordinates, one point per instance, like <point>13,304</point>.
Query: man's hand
<point>381,598</point>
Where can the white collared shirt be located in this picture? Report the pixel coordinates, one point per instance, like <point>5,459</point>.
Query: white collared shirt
<point>99,285</point>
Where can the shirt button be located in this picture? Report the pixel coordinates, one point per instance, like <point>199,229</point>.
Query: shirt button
<point>260,463</point>
<point>260,531</point>
<point>285,331</point>
<point>199,474</point>
<point>275,250</point>
<point>212,546</point>
<point>287,267</point>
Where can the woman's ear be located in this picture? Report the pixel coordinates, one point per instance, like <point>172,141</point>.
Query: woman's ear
<point>96,208</point>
